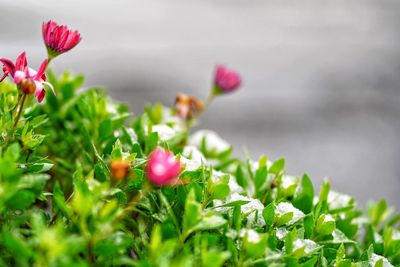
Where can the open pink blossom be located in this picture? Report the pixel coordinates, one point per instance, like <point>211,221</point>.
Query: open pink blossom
<point>225,80</point>
<point>14,70</point>
<point>58,38</point>
<point>162,168</point>
<point>20,72</point>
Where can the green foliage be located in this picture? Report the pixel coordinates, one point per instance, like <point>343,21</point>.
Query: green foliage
<point>60,206</point>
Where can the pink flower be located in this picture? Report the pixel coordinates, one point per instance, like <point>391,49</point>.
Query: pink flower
<point>20,72</point>
<point>226,80</point>
<point>9,68</point>
<point>162,168</point>
<point>58,38</point>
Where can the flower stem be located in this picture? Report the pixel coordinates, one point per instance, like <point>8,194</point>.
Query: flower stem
<point>134,201</point>
<point>209,99</point>
<point>17,104</point>
<point>21,107</point>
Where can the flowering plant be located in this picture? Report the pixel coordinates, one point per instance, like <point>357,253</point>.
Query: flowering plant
<point>83,183</point>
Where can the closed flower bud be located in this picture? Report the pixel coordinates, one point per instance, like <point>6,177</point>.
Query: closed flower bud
<point>28,86</point>
<point>225,80</point>
<point>119,169</point>
<point>59,38</point>
<point>162,168</point>
<point>188,107</point>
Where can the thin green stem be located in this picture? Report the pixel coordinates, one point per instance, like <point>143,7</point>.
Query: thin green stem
<point>17,104</point>
<point>21,108</point>
<point>209,99</point>
<point>134,201</point>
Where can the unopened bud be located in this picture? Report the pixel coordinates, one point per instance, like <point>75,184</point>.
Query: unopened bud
<point>28,86</point>
<point>188,107</point>
<point>119,169</point>
<point>225,80</point>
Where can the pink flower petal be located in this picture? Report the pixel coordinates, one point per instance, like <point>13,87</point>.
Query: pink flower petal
<point>72,41</point>
<point>21,63</point>
<point>39,86</point>
<point>41,70</point>
<point>8,66</point>
<point>19,76</point>
<point>31,73</point>
<point>41,96</point>
<point>40,92</point>
<point>4,76</point>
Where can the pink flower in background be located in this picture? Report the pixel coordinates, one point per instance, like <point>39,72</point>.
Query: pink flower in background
<point>162,168</point>
<point>58,38</point>
<point>21,73</point>
<point>226,80</point>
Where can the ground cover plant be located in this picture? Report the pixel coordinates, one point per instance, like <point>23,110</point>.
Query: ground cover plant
<point>85,183</point>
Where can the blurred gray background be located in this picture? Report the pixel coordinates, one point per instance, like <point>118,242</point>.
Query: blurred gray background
<point>321,78</point>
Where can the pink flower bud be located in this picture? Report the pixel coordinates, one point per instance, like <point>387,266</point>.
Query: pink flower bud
<point>162,168</point>
<point>226,80</point>
<point>58,38</point>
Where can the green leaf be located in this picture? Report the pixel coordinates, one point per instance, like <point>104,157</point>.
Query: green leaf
<point>284,219</point>
<point>339,238</point>
<point>324,191</point>
<point>121,197</point>
<point>241,179</point>
<point>269,214</point>
<point>377,212</point>
<point>221,191</point>
<point>117,152</point>
<point>340,254</point>
<point>234,204</point>
<point>105,129</point>
<point>155,239</point>
<point>345,263</point>
<point>325,225</point>
<point>100,173</point>
<point>379,263</point>
<point>310,263</point>
<point>59,200</point>
<point>289,239</point>
<point>38,167</point>
<point>277,167</point>
<point>155,112</point>
<point>261,173</point>
<point>33,182</point>
<point>137,180</point>
<point>16,245</point>
<point>21,200</point>
<point>38,121</point>
<point>13,152</point>
<point>192,213</point>
<point>215,258</point>
<point>304,196</point>
<point>208,222</point>
<point>152,141</point>
<point>309,223</point>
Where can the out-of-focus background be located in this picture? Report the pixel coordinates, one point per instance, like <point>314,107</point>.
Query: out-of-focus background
<point>321,78</point>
